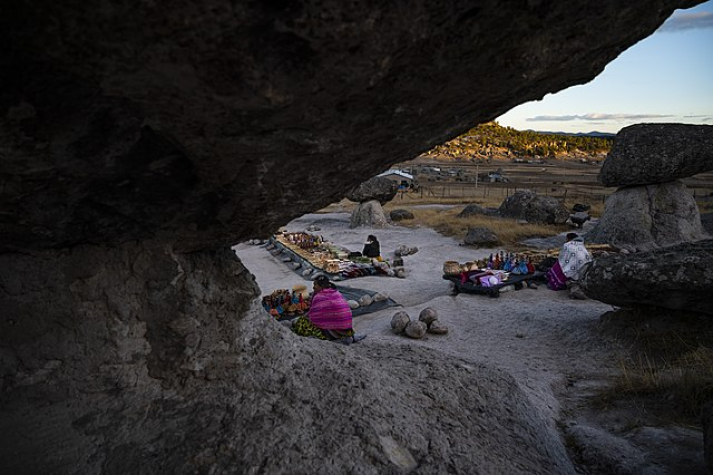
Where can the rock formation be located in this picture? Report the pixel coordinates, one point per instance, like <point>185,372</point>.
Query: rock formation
<point>369,213</point>
<point>675,277</point>
<point>648,217</point>
<point>371,195</point>
<point>533,208</point>
<point>139,140</point>
<point>652,208</point>
<point>643,154</point>
<point>377,188</point>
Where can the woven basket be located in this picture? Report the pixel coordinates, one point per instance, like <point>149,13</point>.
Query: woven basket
<point>451,268</point>
<point>332,267</point>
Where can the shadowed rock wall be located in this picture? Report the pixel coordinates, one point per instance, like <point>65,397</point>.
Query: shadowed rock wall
<point>207,123</point>
<point>138,139</point>
<point>152,362</point>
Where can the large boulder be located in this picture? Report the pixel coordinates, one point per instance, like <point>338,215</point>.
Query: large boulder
<point>677,277</point>
<point>534,208</point>
<point>657,153</point>
<point>369,213</point>
<point>647,217</point>
<point>377,188</point>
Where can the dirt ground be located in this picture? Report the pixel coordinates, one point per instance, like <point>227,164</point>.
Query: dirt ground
<point>560,350</point>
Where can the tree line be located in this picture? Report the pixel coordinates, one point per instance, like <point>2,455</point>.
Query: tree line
<point>491,137</point>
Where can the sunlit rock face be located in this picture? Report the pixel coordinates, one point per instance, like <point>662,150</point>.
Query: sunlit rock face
<point>139,139</point>
<point>205,123</point>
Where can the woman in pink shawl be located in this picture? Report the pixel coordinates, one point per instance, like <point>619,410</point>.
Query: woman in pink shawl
<point>329,317</point>
<point>572,259</point>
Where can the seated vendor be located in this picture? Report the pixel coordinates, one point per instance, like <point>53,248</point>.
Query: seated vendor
<point>329,317</point>
<point>570,262</point>
<point>372,248</point>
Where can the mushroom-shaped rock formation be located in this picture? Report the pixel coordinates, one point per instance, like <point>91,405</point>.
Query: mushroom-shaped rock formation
<point>652,208</point>
<point>138,140</point>
<point>646,154</point>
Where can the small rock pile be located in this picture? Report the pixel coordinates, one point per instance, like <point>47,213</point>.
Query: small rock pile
<point>367,300</point>
<point>427,322</point>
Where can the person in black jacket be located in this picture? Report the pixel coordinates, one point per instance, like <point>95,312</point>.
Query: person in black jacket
<point>372,248</point>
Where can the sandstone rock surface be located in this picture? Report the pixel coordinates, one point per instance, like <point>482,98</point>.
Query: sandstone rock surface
<point>676,277</point>
<point>647,217</point>
<point>645,154</point>
<point>369,213</point>
<point>533,208</point>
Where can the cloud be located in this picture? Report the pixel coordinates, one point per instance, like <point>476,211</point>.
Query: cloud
<point>595,116</point>
<point>687,21</point>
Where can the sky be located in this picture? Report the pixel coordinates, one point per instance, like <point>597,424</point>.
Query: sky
<point>667,77</point>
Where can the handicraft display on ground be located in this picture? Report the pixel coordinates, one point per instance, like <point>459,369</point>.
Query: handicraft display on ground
<point>283,304</point>
<point>309,255</point>
<point>489,275</point>
<point>501,269</point>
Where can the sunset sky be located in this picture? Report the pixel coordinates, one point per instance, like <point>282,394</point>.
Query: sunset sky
<point>667,77</point>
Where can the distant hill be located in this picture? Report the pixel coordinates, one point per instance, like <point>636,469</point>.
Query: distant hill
<point>593,133</point>
<point>491,140</point>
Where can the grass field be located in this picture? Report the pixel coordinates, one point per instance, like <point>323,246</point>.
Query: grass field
<point>569,181</point>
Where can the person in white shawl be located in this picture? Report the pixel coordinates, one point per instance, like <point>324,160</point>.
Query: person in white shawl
<point>573,256</point>
<point>572,259</point>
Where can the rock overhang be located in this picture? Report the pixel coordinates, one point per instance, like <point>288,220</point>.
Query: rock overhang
<point>207,124</point>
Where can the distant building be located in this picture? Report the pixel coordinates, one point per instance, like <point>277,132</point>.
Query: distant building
<point>400,177</point>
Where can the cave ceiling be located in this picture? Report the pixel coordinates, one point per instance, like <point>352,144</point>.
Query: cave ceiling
<point>206,123</point>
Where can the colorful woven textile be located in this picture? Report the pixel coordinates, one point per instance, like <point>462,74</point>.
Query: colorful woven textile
<point>304,327</point>
<point>330,311</point>
<point>556,280</point>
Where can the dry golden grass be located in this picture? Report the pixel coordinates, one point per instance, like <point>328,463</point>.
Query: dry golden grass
<point>509,231</point>
<point>686,381</point>
<point>669,367</point>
